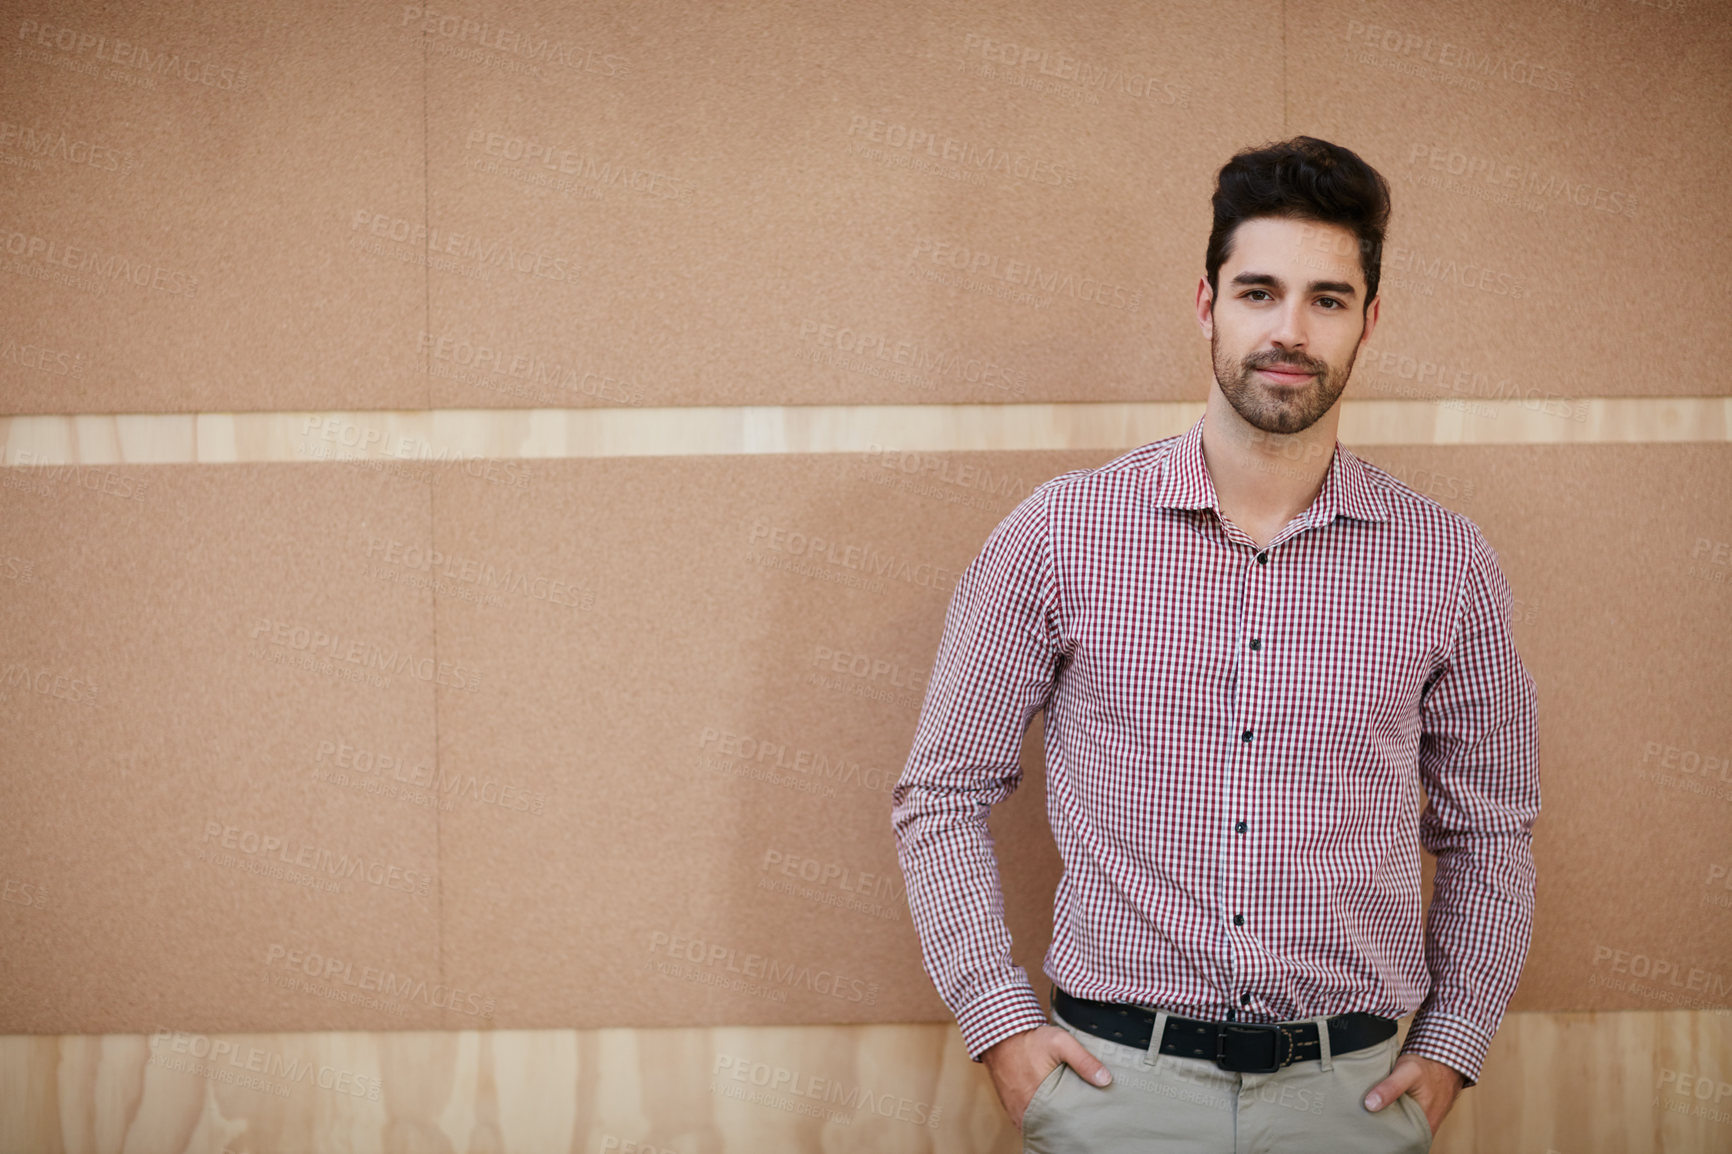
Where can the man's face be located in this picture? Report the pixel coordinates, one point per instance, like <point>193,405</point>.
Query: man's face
<point>1291,298</point>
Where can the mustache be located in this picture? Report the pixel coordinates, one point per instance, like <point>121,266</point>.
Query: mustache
<point>1286,366</point>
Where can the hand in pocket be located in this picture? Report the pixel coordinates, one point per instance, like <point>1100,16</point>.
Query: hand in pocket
<point>1022,1063</point>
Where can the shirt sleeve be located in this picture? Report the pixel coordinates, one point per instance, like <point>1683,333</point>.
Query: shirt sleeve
<point>994,670</point>
<point>1479,763</point>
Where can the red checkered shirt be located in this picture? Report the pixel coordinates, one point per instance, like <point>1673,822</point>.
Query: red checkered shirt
<point>1235,744</point>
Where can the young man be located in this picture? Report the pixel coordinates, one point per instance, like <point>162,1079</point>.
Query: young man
<point>1253,649</point>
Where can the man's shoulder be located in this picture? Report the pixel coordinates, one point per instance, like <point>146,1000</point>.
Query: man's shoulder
<point>1127,469</point>
<point>1413,512</point>
<point>1078,496</point>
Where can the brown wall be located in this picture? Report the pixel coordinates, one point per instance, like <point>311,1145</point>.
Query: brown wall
<point>669,289</point>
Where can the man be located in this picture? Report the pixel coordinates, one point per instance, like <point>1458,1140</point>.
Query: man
<point>1252,649</point>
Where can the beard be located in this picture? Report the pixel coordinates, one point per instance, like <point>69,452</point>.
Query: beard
<point>1274,408</point>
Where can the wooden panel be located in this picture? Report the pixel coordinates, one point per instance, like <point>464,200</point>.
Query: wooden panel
<point>396,438</point>
<point>1605,1083</point>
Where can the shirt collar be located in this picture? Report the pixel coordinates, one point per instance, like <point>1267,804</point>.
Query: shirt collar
<point>1183,483</point>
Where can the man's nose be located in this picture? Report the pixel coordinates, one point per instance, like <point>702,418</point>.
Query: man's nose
<point>1289,332</point>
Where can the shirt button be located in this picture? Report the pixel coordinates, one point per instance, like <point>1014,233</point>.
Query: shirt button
<point>1246,736</point>
<point>1256,643</point>
<point>1245,998</point>
<point>1238,827</point>
<point>1238,919</point>
<point>1262,558</point>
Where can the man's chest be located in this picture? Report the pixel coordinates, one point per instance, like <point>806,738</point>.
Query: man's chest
<point>1327,629</point>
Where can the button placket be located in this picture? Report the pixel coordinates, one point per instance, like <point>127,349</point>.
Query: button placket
<point>1240,788</point>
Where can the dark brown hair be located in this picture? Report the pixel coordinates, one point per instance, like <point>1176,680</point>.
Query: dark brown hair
<point>1301,179</point>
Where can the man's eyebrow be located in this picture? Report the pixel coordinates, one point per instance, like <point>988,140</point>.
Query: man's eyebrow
<point>1263,279</point>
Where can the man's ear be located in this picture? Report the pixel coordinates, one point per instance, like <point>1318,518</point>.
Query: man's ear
<point>1371,310</point>
<point>1205,307</point>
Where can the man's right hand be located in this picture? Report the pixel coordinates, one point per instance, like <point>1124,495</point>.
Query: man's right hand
<point>1021,1062</point>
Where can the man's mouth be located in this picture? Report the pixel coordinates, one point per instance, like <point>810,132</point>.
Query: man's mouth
<point>1286,374</point>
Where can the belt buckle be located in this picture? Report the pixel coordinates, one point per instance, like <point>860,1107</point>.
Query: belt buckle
<point>1238,1043</point>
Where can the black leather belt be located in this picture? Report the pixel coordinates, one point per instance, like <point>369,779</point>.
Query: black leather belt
<point>1244,1047</point>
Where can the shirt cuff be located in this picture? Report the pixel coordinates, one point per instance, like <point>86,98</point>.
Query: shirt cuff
<point>995,1016</point>
<point>1456,1042</point>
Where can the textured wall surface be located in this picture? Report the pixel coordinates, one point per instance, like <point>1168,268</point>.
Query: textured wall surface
<point>482,484</point>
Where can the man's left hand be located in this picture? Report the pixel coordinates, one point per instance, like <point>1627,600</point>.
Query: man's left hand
<point>1434,1087</point>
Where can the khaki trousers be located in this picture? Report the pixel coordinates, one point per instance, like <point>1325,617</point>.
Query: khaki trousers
<point>1161,1103</point>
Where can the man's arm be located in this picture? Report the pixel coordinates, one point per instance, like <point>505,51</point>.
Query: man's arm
<point>1479,762</point>
<point>994,671</point>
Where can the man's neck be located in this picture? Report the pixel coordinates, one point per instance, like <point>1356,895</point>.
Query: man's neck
<point>1263,480</point>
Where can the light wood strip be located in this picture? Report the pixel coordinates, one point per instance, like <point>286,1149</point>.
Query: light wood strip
<point>1634,1082</point>
<point>550,433</point>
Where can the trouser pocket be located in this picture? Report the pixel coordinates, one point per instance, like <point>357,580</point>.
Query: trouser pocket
<point>1043,1094</point>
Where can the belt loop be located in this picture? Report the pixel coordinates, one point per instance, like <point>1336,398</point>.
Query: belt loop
<point>1322,1021</point>
<point>1152,1056</point>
